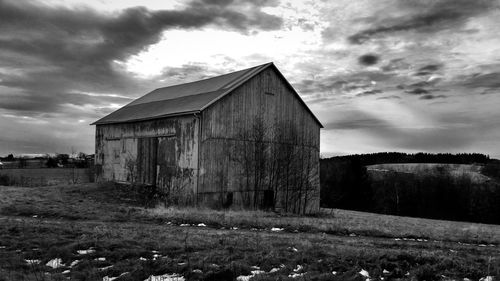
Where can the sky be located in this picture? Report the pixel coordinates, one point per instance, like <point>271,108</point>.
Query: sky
<point>385,75</point>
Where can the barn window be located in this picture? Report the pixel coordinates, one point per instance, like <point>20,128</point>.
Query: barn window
<point>269,93</point>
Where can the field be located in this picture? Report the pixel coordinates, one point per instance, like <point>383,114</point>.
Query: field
<point>44,176</point>
<point>106,229</point>
<point>471,171</point>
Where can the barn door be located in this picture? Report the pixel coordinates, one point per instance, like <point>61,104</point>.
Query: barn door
<point>167,162</point>
<point>146,160</point>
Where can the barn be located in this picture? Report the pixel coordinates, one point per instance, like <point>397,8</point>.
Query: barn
<point>240,140</point>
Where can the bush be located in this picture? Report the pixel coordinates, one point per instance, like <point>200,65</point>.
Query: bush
<point>4,180</point>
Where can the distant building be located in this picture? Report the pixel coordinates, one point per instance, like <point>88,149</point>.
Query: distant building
<point>241,140</point>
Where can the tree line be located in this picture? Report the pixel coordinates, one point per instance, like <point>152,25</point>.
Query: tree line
<point>421,157</point>
<point>346,184</point>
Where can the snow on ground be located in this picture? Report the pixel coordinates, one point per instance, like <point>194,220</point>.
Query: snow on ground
<point>55,263</point>
<point>32,261</point>
<point>166,277</point>
<point>86,252</point>
<point>73,263</point>
<point>364,273</point>
<point>276,229</point>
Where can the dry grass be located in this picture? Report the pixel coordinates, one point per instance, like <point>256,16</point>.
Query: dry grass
<point>335,221</point>
<point>78,217</point>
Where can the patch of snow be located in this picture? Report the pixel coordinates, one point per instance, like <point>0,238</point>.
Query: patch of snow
<point>295,275</point>
<point>407,273</point>
<point>255,272</point>
<point>143,259</point>
<point>55,263</point>
<point>397,239</point>
<point>35,216</point>
<point>86,252</point>
<point>73,263</point>
<point>67,271</point>
<point>3,247</point>
<point>453,251</point>
<point>197,271</point>
<point>169,223</point>
<point>234,228</point>
<point>364,273</point>
<point>255,267</point>
<point>334,272</point>
<point>277,268</point>
<point>166,277</point>
<point>298,268</point>
<point>467,279</point>
<point>32,261</point>
<point>156,256</point>
<point>105,268</point>
<point>277,229</point>
<point>385,271</point>
<point>107,278</point>
<point>487,278</point>
<point>352,235</point>
<point>185,224</point>
<point>155,252</point>
<point>481,245</point>
<point>244,277</point>
<point>202,225</point>
<point>100,259</point>
<point>181,263</point>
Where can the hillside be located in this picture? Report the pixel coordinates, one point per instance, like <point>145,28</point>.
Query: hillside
<point>99,232</point>
<point>470,171</point>
<point>465,189</point>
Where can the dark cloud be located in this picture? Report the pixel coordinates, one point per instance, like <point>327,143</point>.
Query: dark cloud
<point>417,91</point>
<point>369,93</point>
<point>49,51</point>
<point>428,69</point>
<point>489,80</point>
<point>346,82</point>
<point>392,97</point>
<point>431,97</point>
<point>368,59</point>
<point>426,16</point>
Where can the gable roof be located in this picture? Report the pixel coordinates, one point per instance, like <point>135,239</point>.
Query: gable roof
<point>186,98</point>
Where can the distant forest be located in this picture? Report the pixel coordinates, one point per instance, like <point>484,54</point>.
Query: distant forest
<point>421,157</point>
<point>346,184</point>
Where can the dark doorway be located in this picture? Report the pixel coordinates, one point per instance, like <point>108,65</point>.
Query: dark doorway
<point>146,160</point>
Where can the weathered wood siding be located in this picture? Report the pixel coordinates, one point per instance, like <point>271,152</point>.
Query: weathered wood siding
<point>162,152</point>
<point>228,140</point>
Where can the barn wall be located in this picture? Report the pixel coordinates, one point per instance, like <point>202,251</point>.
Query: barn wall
<point>249,137</point>
<point>162,152</point>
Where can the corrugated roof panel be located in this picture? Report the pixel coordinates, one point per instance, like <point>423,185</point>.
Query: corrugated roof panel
<point>155,109</point>
<point>194,88</point>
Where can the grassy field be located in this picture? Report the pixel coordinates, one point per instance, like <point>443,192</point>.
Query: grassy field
<point>471,171</point>
<point>38,225</point>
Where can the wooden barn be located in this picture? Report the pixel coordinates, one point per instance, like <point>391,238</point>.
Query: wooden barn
<point>240,140</point>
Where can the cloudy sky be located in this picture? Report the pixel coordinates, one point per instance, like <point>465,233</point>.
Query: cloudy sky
<point>385,75</point>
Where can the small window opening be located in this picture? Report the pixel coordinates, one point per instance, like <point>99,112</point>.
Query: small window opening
<point>269,93</point>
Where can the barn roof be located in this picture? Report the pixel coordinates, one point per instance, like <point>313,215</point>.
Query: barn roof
<point>185,98</point>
